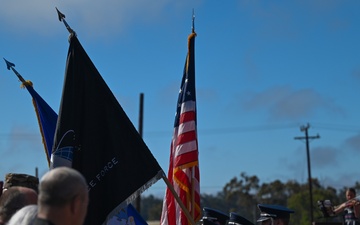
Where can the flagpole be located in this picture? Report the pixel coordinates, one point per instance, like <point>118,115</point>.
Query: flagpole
<point>45,114</point>
<point>11,66</point>
<point>192,169</point>
<point>181,204</point>
<point>62,19</point>
<point>141,118</point>
<point>193,22</point>
<point>192,193</point>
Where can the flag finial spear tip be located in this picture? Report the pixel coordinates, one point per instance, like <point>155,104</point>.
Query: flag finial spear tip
<point>61,17</point>
<point>193,21</point>
<point>9,64</point>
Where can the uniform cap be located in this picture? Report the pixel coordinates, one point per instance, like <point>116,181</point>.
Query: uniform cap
<point>273,211</point>
<point>23,180</point>
<point>215,216</point>
<point>236,219</point>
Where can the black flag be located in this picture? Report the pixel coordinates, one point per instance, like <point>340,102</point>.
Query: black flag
<point>95,137</point>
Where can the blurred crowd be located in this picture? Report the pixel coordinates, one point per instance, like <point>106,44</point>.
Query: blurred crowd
<point>59,198</point>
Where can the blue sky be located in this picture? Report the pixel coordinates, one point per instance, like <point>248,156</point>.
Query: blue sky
<point>263,69</point>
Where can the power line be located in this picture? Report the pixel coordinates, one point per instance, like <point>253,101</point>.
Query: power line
<point>336,127</point>
<point>223,130</point>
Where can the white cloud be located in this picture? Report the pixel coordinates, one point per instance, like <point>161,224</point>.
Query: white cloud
<point>284,102</point>
<point>21,16</point>
<point>99,18</point>
<point>324,156</point>
<point>353,143</point>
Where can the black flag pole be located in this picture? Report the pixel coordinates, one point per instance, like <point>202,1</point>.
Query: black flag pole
<point>193,22</point>
<point>62,19</point>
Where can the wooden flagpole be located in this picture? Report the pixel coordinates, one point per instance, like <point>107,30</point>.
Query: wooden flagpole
<point>182,206</point>
<point>192,191</point>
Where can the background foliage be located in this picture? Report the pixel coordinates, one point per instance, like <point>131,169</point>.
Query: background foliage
<point>243,194</point>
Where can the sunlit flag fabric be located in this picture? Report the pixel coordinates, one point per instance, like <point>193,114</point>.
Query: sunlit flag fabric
<point>95,137</point>
<point>183,171</point>
<point>46,116</point>
<point>47,120</point>
<point>127,216</point>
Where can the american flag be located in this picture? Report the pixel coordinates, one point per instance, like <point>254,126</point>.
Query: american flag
<point>183,171</point>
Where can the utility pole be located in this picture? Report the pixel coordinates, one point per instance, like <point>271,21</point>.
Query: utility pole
<point>307,138</point>
<point>141,118</point>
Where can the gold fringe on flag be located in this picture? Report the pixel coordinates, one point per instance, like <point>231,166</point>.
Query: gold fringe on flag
<point>192,35</point>
<point>41,130</point>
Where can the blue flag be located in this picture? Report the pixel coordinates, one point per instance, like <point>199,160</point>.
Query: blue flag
<point>127,216</point>
<point>46,116</point>
<point>47,119</point>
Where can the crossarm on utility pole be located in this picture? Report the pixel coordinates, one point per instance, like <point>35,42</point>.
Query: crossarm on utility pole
<point>307,138</point>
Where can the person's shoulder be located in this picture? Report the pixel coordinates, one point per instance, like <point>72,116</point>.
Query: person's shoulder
<point>25,215</point>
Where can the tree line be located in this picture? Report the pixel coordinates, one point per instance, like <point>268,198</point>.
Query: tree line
<point>243,194</point>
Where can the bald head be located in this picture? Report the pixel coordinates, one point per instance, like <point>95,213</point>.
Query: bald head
<point>63,197</point>
<point>59,186</point>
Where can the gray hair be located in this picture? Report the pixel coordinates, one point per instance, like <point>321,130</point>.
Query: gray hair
<point>25,216</point>
<point>60,186</point>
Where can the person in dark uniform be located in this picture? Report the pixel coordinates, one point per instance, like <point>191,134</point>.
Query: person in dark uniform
<point>214,217</point>
<point>274,214</point>
<point>236,219</point>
